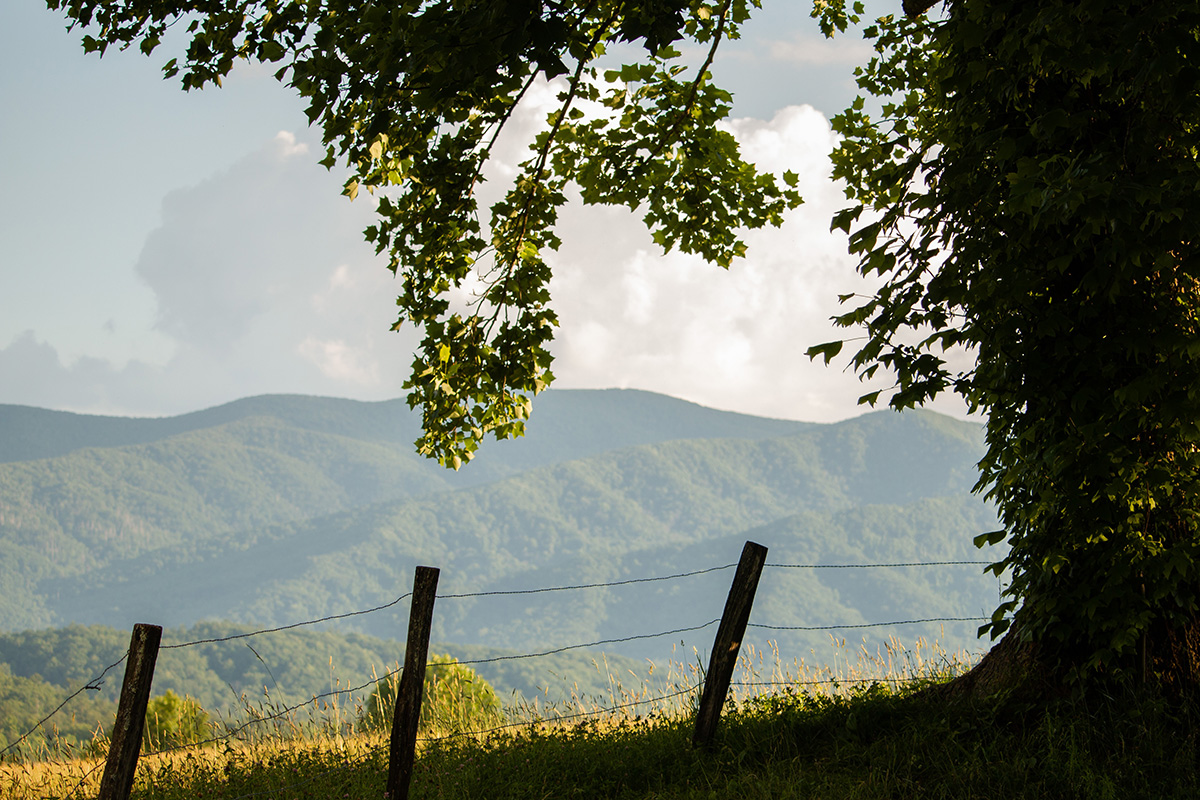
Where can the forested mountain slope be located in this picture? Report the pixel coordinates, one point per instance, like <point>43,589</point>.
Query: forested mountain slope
<point>274,509</point>
<point>567,424</point>
<point>39,668</point>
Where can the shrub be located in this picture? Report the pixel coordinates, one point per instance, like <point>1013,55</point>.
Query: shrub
<point>172,720</point>
<point>455,699</point>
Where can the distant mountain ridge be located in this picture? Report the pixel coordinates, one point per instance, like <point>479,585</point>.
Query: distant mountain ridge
<point>590,421</point>
<point>274,509</point>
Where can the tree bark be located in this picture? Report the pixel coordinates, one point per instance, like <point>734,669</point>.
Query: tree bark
<point>1170,655</point>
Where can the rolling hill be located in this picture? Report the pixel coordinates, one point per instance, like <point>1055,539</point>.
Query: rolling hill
<point>272,510</point>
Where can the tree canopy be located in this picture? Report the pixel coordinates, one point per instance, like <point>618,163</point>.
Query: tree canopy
<point>412,96</point>
<point>1026,194</point>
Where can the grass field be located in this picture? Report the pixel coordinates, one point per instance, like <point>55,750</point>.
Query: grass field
<point>856,729</point>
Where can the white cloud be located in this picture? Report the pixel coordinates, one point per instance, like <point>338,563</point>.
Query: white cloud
<point>811,50</point>
<point>264,284</point>
<point>340,361</point>
<point>287,146</point>
<point>632,317</point>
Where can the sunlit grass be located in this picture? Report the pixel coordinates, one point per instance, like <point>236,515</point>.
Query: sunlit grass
<point>318,746</point>
<point>851,726</point>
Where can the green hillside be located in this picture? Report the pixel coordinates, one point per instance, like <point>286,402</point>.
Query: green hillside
<point>567,424</point>
<point>82,494</point>
<point>277,509</point>
<point>40,668</point>
<point>84,513</point>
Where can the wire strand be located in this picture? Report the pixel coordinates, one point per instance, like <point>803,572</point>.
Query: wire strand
<point>93,685</point>
<point>822,682</point>
<point>591,644</point>
<point>877,566</point>
<point>865,625</point>
<point>585,585</point>
<point>287,627</point>
<point>86,775</point>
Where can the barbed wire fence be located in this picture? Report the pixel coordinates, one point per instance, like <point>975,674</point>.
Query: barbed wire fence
<point>234,731</point>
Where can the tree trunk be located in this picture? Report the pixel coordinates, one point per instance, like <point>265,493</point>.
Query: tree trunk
<point>1169,661</point>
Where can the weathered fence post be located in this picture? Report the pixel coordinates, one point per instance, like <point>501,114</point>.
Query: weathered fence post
<point>412,682</point>
<point>131,713</point>
<point>728,642</point>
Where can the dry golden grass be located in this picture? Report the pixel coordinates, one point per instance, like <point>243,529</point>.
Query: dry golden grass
<point>328,736</point>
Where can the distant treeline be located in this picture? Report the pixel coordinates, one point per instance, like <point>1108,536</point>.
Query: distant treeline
<point>40,668</point>
<point>278,509</point>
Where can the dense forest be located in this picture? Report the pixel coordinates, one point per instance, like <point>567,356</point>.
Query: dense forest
<point>38,669</point>
<point>276,510</point>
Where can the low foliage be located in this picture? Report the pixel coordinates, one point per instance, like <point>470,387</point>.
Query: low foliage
<point>172,721</point>
<point>862,730</point>
<point>455,699</point>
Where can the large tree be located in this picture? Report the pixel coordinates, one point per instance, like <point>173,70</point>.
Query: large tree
<point>1028,193</point>
<point>1025,194</point>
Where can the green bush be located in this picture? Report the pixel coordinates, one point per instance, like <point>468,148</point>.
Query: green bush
<point>172,720</point>
<point>455,699</point>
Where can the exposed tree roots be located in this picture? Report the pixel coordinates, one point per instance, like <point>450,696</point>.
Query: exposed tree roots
<point>1169,658</point>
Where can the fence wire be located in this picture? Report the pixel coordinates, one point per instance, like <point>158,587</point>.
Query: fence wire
<point>491,593</point>
<point>495,593</point>
<point>879,566</point>
<point>96,683</point>
<point>362,758</point>
<point>93,685</point>
<point>86,775</point>
<point>864,624</point>
<point>545,589</point>
<point>592,644</point>
<point>287,627</point>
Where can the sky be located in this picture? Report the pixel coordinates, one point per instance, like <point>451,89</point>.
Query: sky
<point>163,251</point>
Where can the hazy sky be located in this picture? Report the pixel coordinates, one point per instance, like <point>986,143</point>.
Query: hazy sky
<point>162,252</point>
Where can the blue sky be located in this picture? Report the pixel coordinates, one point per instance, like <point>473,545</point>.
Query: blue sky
<point>163,251</point>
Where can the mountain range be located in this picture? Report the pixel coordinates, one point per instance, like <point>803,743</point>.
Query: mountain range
<point>277,509</point>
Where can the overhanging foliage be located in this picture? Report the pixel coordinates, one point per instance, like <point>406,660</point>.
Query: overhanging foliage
<point>1029,193</point>
<point>412,96</point>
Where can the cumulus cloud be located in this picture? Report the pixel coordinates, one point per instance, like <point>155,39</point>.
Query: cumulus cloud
<point>632,317</point>
<point>33,374</point>
<point>812,50</point>
<point>233,251</point>
<point>264,284</point>
<point>340,361</point>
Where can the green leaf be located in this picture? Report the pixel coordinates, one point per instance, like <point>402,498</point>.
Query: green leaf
<point>828,350</point>
<point>990,538</point>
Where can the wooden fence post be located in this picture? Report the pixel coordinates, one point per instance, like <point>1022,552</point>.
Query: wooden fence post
<point>412,684</point>
<point>729,640</point>
<point>131,713</point>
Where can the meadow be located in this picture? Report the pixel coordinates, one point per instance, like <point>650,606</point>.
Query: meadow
<point>857,726</point>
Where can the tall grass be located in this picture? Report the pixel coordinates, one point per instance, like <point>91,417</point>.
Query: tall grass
<point>264,745</point>
<point>849,726</point>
